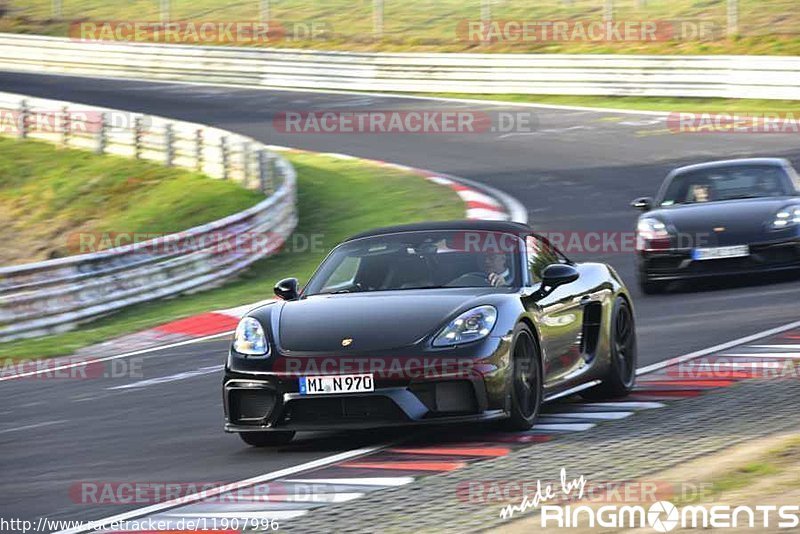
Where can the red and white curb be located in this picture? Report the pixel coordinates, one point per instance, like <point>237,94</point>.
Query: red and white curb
<point>284,496</point>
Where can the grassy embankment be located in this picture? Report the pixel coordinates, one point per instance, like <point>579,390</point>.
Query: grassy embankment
<point>337,198</point>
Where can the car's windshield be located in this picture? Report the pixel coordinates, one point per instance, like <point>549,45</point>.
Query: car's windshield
<point>727,183</point>
<point>421,260</point>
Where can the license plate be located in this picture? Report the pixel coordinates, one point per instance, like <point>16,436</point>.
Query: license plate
<point>325,385</point>
<point>717,253</point>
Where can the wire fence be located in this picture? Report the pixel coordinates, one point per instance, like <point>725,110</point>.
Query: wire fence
<point>421,20</point>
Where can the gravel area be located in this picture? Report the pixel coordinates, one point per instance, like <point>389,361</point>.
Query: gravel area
<point>647,442</point>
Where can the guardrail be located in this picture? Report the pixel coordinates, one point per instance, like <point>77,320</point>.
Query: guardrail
<point>615,75</point>
<point>55,295</point>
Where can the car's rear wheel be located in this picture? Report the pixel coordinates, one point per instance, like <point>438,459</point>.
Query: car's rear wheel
<point>526,382</point>
<point>621,373</point>
<point>267,439</point>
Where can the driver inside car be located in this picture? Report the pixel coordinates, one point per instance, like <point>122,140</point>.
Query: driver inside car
<point>494,272</point>
<point>496,269</point>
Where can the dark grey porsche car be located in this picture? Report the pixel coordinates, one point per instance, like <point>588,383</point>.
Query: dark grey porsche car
<point>427,324</point>
<point>720,218</point>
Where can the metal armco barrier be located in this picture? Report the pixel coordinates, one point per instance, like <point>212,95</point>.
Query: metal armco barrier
<point>615,75</point>
<point>55,295</point>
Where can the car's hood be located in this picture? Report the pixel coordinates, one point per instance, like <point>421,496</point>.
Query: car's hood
<point>374,321</point>
<point>728,222</point>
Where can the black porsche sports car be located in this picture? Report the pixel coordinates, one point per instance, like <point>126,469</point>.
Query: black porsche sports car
<point>426,324</point>
<point>719,218</point>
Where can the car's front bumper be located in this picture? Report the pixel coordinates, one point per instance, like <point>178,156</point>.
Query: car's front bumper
<point>473,388</point>
<point>677,264</point>
<point>255,405</point>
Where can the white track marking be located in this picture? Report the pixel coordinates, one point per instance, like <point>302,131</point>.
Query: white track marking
<point>717,348</point>
<point>336,155</point>
<point>733,365</point>
<point>598,416</point>
<point>316,498</point>
<point>440,181</point>
<point>195,497</point>
<point>86,361</point>
<point>633,405</point>
<point>787,347</point>
<point>565,427</point>
<point>486,215</point>
<point>476,196</point>
<point>386,482</point>
<point>35,425</point>
<point>171,378</point>
<point>277,514</point>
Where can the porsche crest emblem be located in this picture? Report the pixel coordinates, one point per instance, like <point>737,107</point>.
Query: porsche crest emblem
<point>346,341</point>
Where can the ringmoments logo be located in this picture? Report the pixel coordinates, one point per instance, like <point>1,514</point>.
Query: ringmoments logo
<point>663,516</point>
<point>660,516</point>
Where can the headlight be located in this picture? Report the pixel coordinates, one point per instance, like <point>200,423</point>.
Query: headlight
<point>249,338</point>
<point>652,234</point>
<point>471,325</point>
<point>789,216</point>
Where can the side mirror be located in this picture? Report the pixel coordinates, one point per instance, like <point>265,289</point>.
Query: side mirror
<point>558,274</point>
<point>286,289</point>
<point>643,204</point>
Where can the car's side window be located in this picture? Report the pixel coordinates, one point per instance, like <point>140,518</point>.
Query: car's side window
<point>344,274</point>
<point>540,254</point>
<point>795,181</point>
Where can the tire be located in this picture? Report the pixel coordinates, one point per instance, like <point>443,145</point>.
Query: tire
<point>526,390</point>
<point>620,376</point>
<point>267,439</point>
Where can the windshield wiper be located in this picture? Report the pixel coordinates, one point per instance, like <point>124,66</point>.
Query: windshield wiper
<point>337,292</point>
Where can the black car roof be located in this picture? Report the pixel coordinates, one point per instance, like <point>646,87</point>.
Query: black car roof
<point>776,162</point>
<point>474,225</point>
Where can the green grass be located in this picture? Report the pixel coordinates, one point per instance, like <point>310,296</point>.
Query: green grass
<point>337,198</point>
<point>49,195</point>
<point>744,476</point>
<point>765,26</point>
<point>772,462</point>
<point>695,105</point>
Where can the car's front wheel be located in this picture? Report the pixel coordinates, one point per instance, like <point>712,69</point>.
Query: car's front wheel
<point>621,372</point>
<point>267,439</point>
<point>526,382</point>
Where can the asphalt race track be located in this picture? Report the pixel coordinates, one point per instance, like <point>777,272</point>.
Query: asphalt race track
<point>576,173</point>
